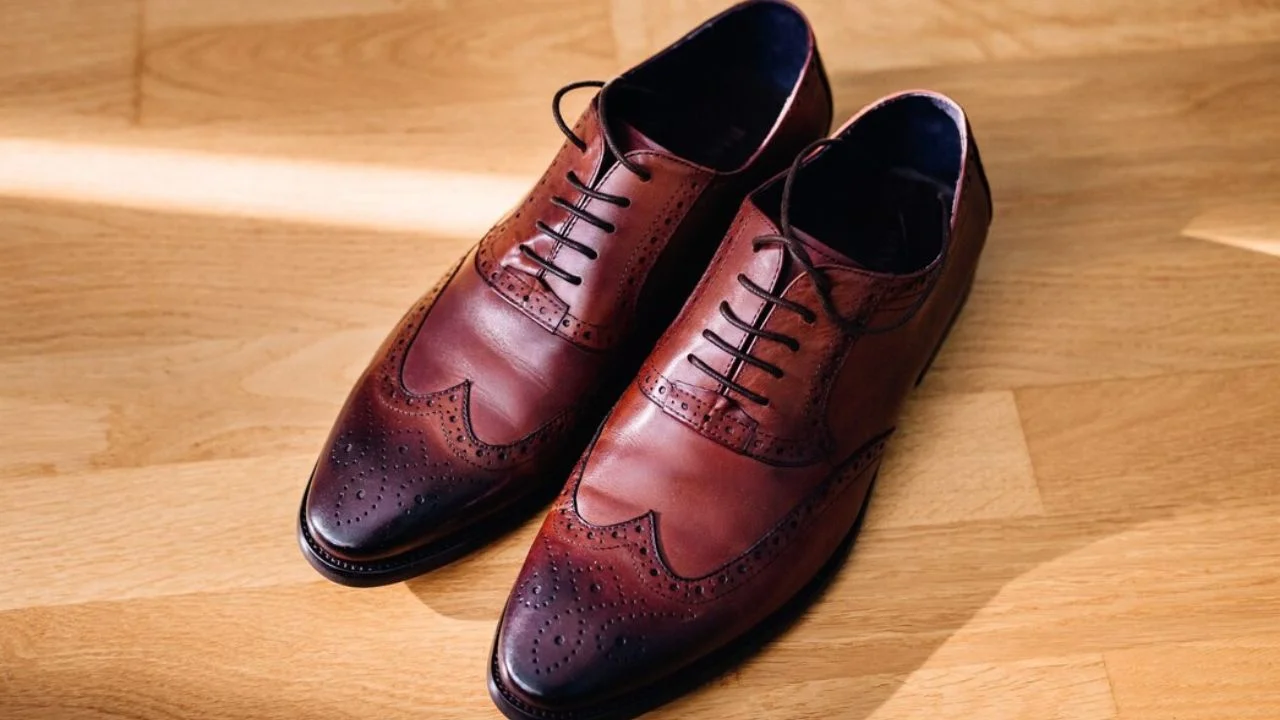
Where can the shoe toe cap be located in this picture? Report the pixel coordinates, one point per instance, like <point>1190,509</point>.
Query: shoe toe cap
<point>579,630</point>
<point>382,489</point>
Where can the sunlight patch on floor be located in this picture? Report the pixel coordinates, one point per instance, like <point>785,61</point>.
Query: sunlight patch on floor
<point>341,194</point>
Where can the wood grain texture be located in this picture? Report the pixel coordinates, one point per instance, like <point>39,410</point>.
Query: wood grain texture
<point>1077,517</point>
<point>473,72</point>
<point>981,469</point>
<point>1159,442</point>
<point>1217,680</point>
<point>879,34</point>
<point>69,56</point>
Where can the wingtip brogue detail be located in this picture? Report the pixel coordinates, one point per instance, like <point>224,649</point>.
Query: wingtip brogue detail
<point>490,385</point>
<point>741,459</point>
<point>596,612</point>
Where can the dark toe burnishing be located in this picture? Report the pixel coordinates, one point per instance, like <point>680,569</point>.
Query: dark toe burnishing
<point>580,631</point>
<point>478,403</point>
<point>383,488</point>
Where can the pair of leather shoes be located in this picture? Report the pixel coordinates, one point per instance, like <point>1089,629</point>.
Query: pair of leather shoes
<point>752,298</point>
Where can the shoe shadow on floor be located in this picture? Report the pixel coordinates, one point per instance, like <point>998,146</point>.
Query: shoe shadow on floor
<point>475,587</point>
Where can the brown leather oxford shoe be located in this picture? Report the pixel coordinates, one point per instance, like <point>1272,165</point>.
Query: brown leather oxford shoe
<point>482,398</point>
<point>738,463</point>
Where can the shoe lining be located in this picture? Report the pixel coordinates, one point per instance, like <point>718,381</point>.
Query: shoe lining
<point>714,98</point>
<point>883,196</point>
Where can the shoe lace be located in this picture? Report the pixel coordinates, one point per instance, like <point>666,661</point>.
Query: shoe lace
<point>576,183</point>
<point>795,248</point>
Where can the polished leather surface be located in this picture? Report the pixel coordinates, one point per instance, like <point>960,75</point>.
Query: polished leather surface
<point>490,386</point>
<point>697,513</point>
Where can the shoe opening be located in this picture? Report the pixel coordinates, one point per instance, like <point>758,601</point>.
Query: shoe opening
<point>714,97</point>
<point>882,196</point>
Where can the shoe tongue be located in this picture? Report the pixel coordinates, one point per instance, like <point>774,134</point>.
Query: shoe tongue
<point>630,139</point>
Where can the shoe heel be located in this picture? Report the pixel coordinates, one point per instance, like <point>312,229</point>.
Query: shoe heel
<point>964,298</point>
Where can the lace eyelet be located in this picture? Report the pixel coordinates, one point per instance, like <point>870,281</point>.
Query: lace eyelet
<point>624,203</point>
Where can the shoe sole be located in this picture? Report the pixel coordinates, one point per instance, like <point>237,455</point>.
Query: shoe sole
<point>702,671</point>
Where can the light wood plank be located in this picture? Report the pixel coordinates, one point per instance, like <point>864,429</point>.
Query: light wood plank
<point>1161,442</point>
<point>955,458</point>
<point>165,403</point>
<point>1081,495</point>
<point>1015,590</point>
<point>65,62</point>
<point>1058,688</point>
<point>167,14</point>
<point>266,653</point>
<point>58,437</point>
<point>1230,678</point>
<point>877,34</point>
<point>1114,305</point>
<point>85,277</point>
<point>457,84</point>
<point>158,530</point>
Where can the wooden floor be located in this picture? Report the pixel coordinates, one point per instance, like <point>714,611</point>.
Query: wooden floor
<point>212,210</point>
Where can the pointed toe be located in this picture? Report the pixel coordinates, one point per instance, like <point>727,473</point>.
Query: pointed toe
<point>388,498</point>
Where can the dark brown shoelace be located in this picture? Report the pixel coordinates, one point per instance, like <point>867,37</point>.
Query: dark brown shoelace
<point>581,187</point>
<point>796,249</point>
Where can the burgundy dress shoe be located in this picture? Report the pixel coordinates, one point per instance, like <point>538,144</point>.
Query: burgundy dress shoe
<point>476,407</point>
<point>735,467</point>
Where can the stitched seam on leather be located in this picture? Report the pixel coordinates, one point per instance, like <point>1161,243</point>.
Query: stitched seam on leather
<point>819,509</point>
<point>816,502</point>
<point>822,390</point>
<point>913,292</point>
<point>407,332</point>
<point>558,320</point>
<point>699,417</point>
<point>869,455</point>
<point>585,200</point>
<point>542,434</point>
<point>811,447</point>
<point>689,195</point>
<point>579,331</point>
